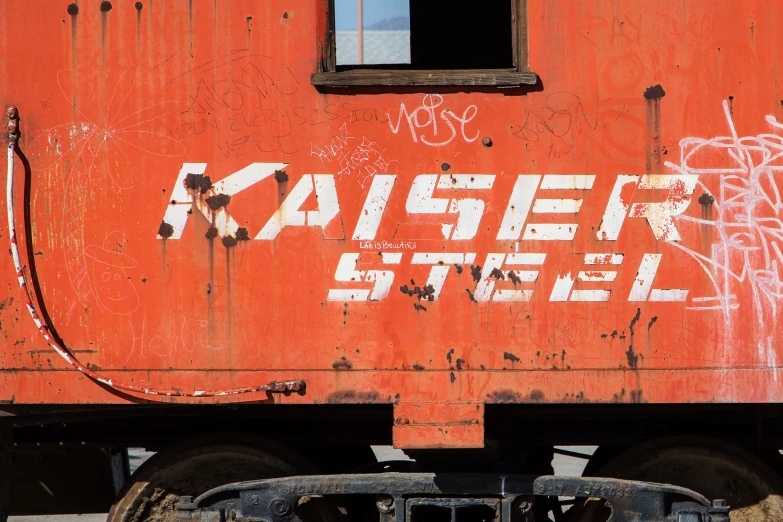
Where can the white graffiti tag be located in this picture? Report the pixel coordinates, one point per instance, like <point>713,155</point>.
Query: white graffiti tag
<point>424,118</point>
<point>746,215</point>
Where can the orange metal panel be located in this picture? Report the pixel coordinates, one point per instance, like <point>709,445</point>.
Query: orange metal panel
<point>616,238</point>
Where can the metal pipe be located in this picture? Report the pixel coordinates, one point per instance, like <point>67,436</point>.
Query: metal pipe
<point>13,137</point>
<point>360,31</point>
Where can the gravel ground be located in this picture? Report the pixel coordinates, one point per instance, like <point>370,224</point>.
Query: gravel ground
<point>568,466</point>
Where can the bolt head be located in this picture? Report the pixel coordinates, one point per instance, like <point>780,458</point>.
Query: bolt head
<point>720,503</point>
<point>279,507</point>
<point>487,141</point>
<point>525,504</point>
<point>385,504</point>
<point>12,112</point>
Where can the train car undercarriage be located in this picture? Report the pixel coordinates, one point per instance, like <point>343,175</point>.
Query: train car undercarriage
<point>292,464</point>
<point>448,498</point>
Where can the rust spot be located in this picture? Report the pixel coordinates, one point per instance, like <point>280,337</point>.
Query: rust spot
<point>514,277</point>
<point>165,230</point>
<point>229,241</point>
<point>653,97</point>
<point>73,9</point>
<point>105,6</point>
<point>706,199</point>
<point>604,336</point>
<point>576,397</point>
<point>536,395</point>
<point>614,334</point>
<point>475,272</point>
<point>138,6</point>
<point>458,268</point>
<point>508,356</point>
<point>497,274</point>
<point>211,233</point>
<point>460,362</point>
<point>285,15</point>
<point>342,364</point>
<point>444,167</point>
<point>452,377</point>
<point>242,234</point>
<point>633,359</point>
<point>635,320</point>
<point>419,307</point>
<point>449,354</point>
<point>427,293</point>
<point>418,367</point>
<point>351,397</point>
<point>281,176</point>
<point>217,201</point>
<point>470,294</point>
<point>636,396</point>
<point>654,92</point>
<point>504,397</point>
<point>198,181</point>
<point>652,322</point>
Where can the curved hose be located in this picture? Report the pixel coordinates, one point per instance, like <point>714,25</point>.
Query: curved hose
<point>13,137</point>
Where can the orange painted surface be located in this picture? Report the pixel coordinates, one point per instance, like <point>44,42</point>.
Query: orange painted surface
<point>650,155</point>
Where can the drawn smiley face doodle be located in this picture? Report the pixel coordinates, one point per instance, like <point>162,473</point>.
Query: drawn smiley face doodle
<point>113,289</point>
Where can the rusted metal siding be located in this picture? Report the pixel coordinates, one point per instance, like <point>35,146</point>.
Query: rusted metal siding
<point>648,158</point>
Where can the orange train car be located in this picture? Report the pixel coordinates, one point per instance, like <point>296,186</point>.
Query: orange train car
<point>259,240</point>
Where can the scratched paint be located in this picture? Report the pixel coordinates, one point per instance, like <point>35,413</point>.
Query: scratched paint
<point>200,213</point>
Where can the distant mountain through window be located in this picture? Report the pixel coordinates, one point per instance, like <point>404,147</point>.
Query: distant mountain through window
<point>398,23</point>
<point>374,12</point>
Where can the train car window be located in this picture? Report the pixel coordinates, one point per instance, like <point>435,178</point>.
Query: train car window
<point>372,32</point>
<point>422,42</point>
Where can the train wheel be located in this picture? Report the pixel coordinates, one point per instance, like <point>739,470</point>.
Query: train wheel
<point>713,468</point>
<point>196,466</point>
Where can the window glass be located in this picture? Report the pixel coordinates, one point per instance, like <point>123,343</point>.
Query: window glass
<point>385,37</point>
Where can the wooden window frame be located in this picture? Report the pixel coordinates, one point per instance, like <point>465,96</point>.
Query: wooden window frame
<point>327,75</point>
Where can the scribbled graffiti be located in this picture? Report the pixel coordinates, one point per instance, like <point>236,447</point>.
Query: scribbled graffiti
<point>101,148</point>
<point>364,160</point>
<point>561,118</point>
<point>107,264</point>
<point>746,215</point>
